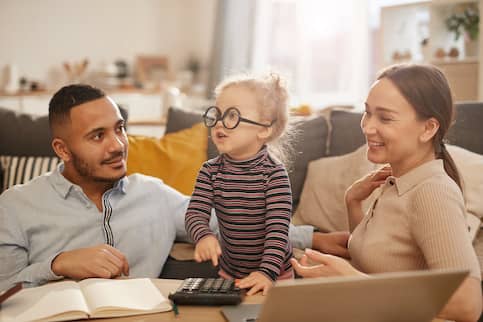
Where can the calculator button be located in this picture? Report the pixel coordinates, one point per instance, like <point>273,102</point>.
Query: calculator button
<point>217,284</point>
<point>226,286</point>
<point>207,285</point>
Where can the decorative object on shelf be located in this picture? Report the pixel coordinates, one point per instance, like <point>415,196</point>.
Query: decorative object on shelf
<point>399,57</point>
<point>194,66</point>
<point>23,82</point>
<point>465,20</point>
<point>425,49</point>
<point>76,70</point>
<point>301,110</point>
<point>12,79</point>
<point>440,53</point>
<point>122,69</point>
<point>152,70</point>
<point>453,52</point>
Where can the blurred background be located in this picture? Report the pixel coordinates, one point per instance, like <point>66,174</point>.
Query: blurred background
<point>151,54</point>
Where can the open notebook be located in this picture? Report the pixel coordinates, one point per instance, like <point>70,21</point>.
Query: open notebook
<point>396,297</point>
<point>90,298</point>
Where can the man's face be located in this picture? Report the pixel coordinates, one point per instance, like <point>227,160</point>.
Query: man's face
<point>96,142</point>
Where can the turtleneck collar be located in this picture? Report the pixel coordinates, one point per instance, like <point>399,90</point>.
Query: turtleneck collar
<point>248,163</point>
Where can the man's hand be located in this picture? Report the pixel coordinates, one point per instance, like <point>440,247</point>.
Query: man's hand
<point>325,265</point>
<point>257,282</point>
<point>208,248</point>
<point>99,261</point>
<point>334,243</point>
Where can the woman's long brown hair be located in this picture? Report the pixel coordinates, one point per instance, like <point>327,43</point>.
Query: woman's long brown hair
<point>426,88</point>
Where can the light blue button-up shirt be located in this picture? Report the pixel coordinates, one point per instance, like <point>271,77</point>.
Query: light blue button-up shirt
<point>141,217</point>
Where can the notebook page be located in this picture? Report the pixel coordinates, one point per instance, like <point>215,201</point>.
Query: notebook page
<point>132,294</point>
<point>45,301</point>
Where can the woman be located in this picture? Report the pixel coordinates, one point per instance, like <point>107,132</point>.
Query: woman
<point>418,220</point>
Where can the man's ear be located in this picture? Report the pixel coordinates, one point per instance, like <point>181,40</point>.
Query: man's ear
<point>61,149</point>
<point>431,127</point>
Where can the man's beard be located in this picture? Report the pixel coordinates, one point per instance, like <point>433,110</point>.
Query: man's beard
<point>87,171</point>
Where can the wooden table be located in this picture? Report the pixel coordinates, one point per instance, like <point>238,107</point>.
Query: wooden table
<point>186,313</point>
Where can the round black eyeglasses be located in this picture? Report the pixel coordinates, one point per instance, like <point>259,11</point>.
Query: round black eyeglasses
<point>230,118</point>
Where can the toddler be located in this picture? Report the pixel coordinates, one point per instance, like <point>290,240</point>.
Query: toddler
<point>246,185</point>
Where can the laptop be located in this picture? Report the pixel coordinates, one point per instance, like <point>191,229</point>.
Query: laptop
<point>396,297</point>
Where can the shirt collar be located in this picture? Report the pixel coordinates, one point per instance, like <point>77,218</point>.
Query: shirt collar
<point>64,187</point>
<point>417,175</point>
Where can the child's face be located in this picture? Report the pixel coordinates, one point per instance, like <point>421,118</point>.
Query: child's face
<point>246,139</point>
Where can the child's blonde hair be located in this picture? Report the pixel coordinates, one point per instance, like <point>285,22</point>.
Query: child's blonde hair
<point>272,95</point>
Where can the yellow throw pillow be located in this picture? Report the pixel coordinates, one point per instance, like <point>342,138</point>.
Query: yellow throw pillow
<point>175,158</point>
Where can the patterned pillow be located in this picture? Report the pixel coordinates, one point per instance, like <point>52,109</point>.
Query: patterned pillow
<point>20,169</point>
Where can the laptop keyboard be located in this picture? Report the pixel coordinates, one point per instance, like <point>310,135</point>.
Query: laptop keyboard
<point>207,291</point>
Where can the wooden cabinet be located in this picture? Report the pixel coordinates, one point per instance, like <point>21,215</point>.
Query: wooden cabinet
<point>462,77</point>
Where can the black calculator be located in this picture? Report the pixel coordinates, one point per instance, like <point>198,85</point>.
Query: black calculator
<point>207,291</point>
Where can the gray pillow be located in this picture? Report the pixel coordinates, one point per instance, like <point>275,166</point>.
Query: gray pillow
<point>309,143</point>
<point>24,135</point>
<point>179,119</point>
<point>467,131</point>
<point>346,135</point>
<point>27,135</point>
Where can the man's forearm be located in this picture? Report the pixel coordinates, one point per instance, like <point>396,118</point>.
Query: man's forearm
<point>301,236</point>
<point>32,275</point>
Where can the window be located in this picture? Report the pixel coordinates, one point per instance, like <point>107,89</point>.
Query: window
<point>321,46</point>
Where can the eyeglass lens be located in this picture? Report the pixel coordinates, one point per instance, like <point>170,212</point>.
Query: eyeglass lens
<point>230,118</point>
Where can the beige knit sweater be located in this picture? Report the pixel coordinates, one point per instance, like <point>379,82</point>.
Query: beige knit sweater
<point>417,222</point>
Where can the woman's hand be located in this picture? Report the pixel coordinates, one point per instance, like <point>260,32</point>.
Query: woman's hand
<point>208,248</point>
<point>256,281</point>
<point>362,188</point>
<point>324,265</point>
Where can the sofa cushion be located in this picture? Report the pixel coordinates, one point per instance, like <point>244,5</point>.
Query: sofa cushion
<point>179,119</point>
<point>345,132</point>
<point>308,143</point>
<point>20,169</point>
<point>175,158</point>
<point>322,200</point>
<point>467,131</point>
<point>470,167</point>
<point>24,134</point>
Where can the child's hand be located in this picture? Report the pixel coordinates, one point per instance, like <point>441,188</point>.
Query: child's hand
<point>257,281</point>
<point>208,248</point>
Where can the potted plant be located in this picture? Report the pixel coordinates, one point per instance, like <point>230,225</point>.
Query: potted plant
<point>465,21</point>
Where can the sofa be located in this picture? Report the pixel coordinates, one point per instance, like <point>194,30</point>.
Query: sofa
<point>334,133</point>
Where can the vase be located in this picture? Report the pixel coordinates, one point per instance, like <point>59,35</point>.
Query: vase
<point>471,47</point>
<point>12,85</point>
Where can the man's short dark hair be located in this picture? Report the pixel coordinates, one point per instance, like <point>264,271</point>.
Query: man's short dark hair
<point>68,97</point>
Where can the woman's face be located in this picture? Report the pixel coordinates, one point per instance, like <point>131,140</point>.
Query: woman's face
<point>392,129</point>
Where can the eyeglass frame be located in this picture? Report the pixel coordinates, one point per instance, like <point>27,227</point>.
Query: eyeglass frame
<point>221,117</point>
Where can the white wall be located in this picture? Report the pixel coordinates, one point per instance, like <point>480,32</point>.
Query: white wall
<point>39,35</point>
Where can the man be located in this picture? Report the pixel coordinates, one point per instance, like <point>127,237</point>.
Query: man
<point>86,218</point>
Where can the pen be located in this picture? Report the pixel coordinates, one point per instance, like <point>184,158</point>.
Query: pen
<point>175,309</point>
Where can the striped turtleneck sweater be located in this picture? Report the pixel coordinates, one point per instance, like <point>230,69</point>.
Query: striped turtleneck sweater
<point>253,203</point>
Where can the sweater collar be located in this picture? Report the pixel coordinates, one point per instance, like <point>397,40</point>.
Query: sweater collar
<point>417,175</point>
